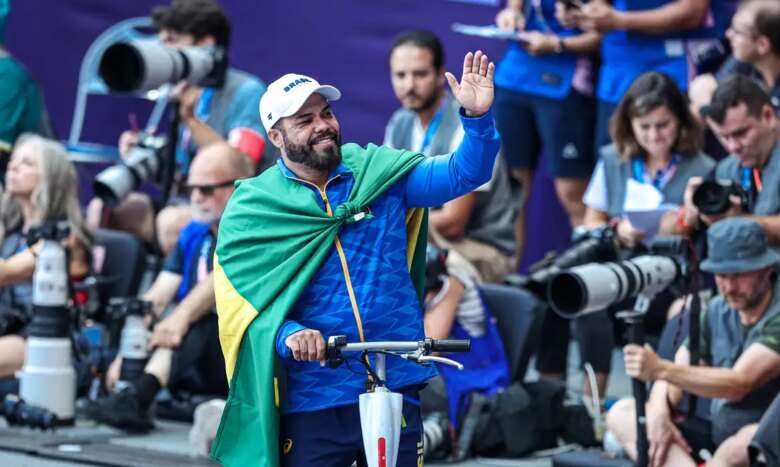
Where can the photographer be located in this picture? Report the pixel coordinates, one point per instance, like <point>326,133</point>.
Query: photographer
<point>740,367</point>
<point>187,355</point>
<point>208,115</point>
<point>41,185</point>
<point>657,148</point>
<point>743,119</point>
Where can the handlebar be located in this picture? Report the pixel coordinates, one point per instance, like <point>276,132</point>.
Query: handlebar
<point>415,351</point>
<point>338,344</point>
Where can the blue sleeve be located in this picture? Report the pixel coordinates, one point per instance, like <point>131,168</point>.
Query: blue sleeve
<point>439,179</point>
<point>174,262</point>
<point>243,109</point>
<point>244,114</point>
<point>287,329</point>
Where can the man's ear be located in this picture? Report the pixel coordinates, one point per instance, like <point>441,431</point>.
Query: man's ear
<point>763,46</point>
<point>441,79</point>
<point>276,138</point>
<point>768,115</point>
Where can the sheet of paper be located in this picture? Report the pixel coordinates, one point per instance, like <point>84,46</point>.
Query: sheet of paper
<point>648,221</point>
<point>641,196</point>
<point>490,32</point>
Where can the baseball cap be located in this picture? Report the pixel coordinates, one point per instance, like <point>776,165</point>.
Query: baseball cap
<point>286,95</point>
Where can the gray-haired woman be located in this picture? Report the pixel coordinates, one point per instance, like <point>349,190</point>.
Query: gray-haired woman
<point>41,185</point>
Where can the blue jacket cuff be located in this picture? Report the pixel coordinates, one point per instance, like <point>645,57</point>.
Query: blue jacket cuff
<point>287,329</point>
<point>478,126</point>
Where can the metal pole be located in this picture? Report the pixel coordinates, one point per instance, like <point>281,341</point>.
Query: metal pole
<point>636,335</point>
<point>380,366</point>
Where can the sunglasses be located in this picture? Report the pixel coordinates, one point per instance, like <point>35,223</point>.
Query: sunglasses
<point>208,190</point>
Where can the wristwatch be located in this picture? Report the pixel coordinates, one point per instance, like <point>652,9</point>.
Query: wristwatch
<point>560,47</point>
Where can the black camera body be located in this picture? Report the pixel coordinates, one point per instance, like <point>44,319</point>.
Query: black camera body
<point>50,230</point>
<point>117,311</point>
<point>13,320</point>
<point>594,245</point>
<point>19,413</point>
<point>145,161</point>
<point>713,197</point>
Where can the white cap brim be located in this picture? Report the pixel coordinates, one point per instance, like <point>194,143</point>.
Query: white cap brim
<point>327,91</point>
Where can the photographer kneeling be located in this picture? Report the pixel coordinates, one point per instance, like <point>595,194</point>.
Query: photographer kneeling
<point>740,368</point>
<point>187,354</point>
<point>657,148</point>
<point>742,117</point>
<point>41,185</point>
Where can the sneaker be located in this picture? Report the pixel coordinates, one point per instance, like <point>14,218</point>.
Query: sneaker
<point>121,410</point>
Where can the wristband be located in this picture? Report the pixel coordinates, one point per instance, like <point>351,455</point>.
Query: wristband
<point>682,226</point>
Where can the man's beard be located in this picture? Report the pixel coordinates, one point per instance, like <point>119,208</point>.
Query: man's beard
<point>205,216</point>
<point>305,154</point>
<point>427,104</point>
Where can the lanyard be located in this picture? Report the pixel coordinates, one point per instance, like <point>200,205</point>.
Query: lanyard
<point>661,177</point>
<point>751,178</point>
<point>205,253</point>
<point>433,127</point>
<point>202,110</point>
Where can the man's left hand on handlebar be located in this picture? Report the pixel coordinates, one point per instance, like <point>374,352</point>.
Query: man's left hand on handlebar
<point>307,345</point>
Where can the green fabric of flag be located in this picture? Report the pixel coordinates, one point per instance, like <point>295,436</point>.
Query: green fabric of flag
<point>272,239</point>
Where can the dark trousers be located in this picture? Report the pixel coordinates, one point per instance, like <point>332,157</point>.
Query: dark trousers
<point>198,366</point>
<point>332,437</point>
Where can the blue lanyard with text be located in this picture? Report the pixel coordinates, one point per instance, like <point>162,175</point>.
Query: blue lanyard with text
<point>660,178</point>
<point>433,127</point>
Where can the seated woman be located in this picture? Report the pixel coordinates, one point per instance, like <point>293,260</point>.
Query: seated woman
<point>40,185</point>
<point>656,148</point>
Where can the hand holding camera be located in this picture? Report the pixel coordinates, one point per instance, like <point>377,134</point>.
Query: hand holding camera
<point>713,200</point>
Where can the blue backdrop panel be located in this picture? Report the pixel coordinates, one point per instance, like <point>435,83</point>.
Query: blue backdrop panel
<point>344,42</point>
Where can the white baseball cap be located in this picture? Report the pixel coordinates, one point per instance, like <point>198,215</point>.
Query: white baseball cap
<point>286,95</point>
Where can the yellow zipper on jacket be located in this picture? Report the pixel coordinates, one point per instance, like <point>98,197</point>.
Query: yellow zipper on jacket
<point>342,258</point>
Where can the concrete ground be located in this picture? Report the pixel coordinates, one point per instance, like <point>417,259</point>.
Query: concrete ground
<point>168,445</point>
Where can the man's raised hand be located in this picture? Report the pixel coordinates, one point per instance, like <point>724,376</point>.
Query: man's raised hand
<point>475,91</point>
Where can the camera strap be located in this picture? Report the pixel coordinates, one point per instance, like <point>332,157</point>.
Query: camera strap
<point>752,184</point>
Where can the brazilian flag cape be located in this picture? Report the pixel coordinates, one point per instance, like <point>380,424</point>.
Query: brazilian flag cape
<point>272,239</point>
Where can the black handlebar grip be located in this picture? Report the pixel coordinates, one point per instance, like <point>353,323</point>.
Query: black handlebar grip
<point>450,345</point>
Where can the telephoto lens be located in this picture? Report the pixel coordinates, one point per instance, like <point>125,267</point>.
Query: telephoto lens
<point>134,342</point>
<point>143,65</point>
<point>144,162</point>
<point>593,287</point>
<point>48,378</point>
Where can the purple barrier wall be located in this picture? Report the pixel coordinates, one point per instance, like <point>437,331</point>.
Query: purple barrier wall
<point>343,42</point>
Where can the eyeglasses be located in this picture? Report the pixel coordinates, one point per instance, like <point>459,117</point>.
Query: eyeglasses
<point>208,190</point>
<point>749,33</point>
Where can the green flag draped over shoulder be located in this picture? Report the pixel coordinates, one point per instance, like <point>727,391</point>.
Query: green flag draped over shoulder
<point>272,239</point>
